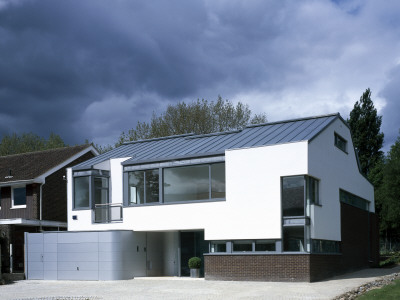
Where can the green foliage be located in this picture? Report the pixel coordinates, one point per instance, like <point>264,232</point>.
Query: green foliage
<point>194,263</point>
<point>388,191</point>
<point>393,260</point>
<point>198,117</point>
<point>391,291</point>
<point>28,142</point>
<point>365,127</point>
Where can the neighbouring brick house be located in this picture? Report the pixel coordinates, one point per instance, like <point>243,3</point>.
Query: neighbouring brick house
<point>34,197</point>
<point>282,201</point>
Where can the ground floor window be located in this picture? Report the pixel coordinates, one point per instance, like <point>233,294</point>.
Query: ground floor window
<point>325,246</point>
<point>244,246</point>
<point>293,239</point>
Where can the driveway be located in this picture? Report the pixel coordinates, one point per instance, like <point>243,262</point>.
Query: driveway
<point>186,288</point>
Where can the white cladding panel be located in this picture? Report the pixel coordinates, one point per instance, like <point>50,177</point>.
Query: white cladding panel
<point>252,209</point>
<point>336,170</point>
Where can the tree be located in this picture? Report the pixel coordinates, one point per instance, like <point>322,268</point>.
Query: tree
<point>198,117</point>
<point>387,196</point>
<point>365,127</point>
<point>28,142</point>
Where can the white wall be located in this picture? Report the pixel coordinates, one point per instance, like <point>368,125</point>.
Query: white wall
<point>252,209</point>
<point>335,169</point>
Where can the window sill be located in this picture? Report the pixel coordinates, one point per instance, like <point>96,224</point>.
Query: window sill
<point>174,203</point>
<point>18,206</point>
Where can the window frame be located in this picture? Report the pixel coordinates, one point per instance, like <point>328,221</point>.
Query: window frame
<point>13,206</point>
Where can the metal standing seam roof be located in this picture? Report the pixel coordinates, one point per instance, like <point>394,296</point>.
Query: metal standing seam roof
<point>191,145</point>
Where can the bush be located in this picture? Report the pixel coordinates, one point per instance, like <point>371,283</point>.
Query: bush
<point>194,263</point>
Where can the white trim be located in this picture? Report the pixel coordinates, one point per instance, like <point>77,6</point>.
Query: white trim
<point>20,221</point>
<point>18,182</point>
<point>42,177</point>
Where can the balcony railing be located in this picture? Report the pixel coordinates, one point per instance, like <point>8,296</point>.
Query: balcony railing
<point>108,213</point>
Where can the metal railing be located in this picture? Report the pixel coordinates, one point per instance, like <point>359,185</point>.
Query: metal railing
<point>108,213</point>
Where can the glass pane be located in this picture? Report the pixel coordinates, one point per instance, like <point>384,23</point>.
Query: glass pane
<point>186,183</point>
<point>100,190</point>
<point>313,190</point>
<point>81,192</point>
<point>218,247</point>
<point>218,180</point>
<point>293,239</point>
<point>242,246</point>
<point>265,245</point>
<point>152,186</point>
<point>136,187</point>
<point>293,196</point>
<point>19,196</point>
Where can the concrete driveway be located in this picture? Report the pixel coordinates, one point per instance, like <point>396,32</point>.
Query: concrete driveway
<point>186,288</point>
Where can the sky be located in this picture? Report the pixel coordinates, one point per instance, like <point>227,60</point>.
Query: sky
<point>91,69</point>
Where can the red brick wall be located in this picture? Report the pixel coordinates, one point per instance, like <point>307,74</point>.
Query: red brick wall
<point>274,267</point>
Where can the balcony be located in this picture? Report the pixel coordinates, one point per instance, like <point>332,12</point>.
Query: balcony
<point>108,213</point>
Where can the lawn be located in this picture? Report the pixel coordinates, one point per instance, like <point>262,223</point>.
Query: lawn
<point>391,291</point>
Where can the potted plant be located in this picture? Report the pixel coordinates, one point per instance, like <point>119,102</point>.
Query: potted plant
<point>194,266</point>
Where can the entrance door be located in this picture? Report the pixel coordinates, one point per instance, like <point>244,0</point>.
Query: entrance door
<point>192,244</point>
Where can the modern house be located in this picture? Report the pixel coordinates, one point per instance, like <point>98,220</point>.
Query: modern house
<point>33,197</point>
<point>282,201</point>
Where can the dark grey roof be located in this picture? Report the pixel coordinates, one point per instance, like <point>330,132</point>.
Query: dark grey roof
<point>27,166</point>
<point>190,145</point>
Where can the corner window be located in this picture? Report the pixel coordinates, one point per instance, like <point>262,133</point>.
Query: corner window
<point>293,196</point>
<point>18,196</point>
<point>293,239</point>
<point>313,190</point>
<point>341,143</point>
<point>90,188</point>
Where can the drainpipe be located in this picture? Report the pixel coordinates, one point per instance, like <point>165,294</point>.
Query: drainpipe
<point>40,206</point>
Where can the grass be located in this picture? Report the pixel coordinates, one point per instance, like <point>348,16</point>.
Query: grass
<point>391,291</point>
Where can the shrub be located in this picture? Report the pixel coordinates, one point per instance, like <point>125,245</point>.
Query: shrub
<point>194,263</point>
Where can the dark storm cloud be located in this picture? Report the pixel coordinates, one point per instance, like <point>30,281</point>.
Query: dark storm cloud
<point>93,68</point>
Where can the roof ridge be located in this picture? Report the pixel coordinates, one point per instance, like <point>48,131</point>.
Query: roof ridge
<point>294,120</point>
<point>47,150</point>
<point>159,138</point>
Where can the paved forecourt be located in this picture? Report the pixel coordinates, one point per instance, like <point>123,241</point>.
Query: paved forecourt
<point>186,288</point>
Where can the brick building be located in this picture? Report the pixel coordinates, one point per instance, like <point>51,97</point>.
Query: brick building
<point>34,197</point>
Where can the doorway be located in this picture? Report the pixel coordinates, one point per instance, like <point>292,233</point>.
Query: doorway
<point>192,244</point>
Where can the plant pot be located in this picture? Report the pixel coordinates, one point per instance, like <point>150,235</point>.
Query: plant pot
<point>195,273</point>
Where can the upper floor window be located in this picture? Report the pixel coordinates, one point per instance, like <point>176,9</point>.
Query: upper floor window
<point>143,187</point>
<point>341,143</point>
<point>179,184</point>
<point>18,196</point>
<point>90,188</point>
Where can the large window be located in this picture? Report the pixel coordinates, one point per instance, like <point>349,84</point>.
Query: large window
<point>143,187</point>
<point>178,184</point>
<point>18,195</point>
<point>193,183</point>
<point>90,188</point>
